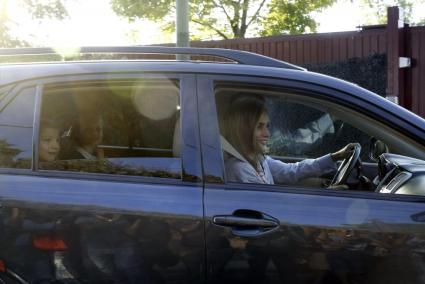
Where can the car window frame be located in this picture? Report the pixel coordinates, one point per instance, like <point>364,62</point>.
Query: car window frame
<point>206,85</point>
<point>11,92</point>
<point>5,91</point>
<point>190,142</point>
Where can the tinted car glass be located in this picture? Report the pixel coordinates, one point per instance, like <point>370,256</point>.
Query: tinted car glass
<point>16,129</point>
<point>301,127</point>
<point>305,131</point>
<point>114,127</point>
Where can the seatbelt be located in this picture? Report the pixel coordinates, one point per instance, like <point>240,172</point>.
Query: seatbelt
<point>228,148</point>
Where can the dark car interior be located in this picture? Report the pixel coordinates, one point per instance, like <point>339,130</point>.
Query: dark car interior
<point>140,119</point>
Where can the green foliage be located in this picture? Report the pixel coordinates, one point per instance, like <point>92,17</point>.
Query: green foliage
<point>421,22</point>
<point>229,18</point>
<point>7,40</point>
<point>38,9</point>
<point>378,9</point>
<point>52,9</point>
<point>149,9</point>
<point>292,17</point>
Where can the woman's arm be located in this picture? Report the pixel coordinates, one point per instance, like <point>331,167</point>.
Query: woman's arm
<point>290,173</point>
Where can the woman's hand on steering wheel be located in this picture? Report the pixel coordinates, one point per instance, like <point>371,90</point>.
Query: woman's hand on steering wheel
<point>345,152</point>
<point>350,155</point>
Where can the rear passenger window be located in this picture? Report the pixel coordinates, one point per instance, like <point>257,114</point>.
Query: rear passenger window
<point>16,129</point>
<point>111,127</point>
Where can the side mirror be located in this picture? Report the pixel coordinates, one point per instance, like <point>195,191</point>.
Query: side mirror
<point>377,148</point>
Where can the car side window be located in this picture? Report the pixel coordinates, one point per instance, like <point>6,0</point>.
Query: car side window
<point>297,126</point>
<point>303,130</point>
<point>16,129</point>
<point>124,127</point>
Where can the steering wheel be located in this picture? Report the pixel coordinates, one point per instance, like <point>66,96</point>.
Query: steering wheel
<point>346,167</point>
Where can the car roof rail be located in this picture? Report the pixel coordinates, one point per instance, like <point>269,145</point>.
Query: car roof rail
<point>238,56</point>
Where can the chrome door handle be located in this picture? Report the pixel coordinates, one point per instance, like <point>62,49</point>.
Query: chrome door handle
<point>247,223</point>
<point>235,221</point>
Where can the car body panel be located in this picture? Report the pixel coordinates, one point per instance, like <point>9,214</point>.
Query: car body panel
<point>322,235</point>
<point>319,238</point>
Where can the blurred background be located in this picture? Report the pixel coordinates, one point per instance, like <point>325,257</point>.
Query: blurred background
<point>128,22</point>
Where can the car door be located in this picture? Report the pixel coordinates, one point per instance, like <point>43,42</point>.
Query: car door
<point>128,210</point>
<point>306,232</point>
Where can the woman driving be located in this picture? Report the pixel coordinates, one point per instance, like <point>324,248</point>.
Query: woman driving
<point>246,127</point>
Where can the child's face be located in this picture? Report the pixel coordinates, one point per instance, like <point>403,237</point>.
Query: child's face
<point>48,148</point>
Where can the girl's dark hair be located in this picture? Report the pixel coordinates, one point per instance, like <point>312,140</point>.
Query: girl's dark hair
<point>238,124</point>
<point>49,123</point>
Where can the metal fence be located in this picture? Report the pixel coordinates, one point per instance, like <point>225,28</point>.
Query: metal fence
<point>313,48</point>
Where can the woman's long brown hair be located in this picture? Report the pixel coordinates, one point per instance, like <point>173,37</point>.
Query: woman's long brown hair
<point>238,124</point>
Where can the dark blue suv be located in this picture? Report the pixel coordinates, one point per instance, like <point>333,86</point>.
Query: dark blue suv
<point>113,171</point>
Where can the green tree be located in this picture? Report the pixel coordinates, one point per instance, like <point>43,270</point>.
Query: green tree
<point>292,17</point>
<point>6,39</point>
<point>227,18</point>
<point>376,10</point>
<point>38,9</point>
